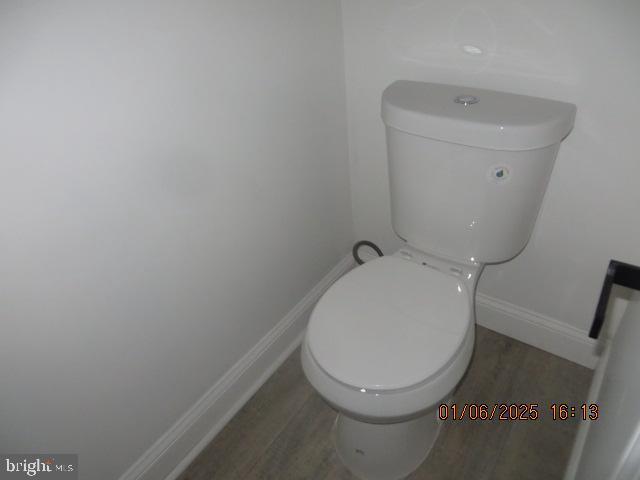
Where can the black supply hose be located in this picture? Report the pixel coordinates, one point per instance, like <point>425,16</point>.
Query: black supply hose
<point>365,243</point>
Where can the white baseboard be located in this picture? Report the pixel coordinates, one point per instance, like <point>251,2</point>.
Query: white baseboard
<point>535,329</point>
<point>177,447</point>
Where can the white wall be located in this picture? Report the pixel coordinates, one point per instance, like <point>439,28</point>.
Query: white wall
<point>173,179</point>
<point>580,51</point>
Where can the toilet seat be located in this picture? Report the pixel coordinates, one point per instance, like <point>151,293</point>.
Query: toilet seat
<point>388,406</point>
<point>388,325</point>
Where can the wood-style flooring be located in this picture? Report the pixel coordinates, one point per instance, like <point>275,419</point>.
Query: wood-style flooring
<point>283,432</point>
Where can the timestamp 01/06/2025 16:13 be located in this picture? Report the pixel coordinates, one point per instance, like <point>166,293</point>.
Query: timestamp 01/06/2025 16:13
<point>517,411</point>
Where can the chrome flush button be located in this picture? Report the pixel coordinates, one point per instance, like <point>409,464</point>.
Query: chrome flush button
<point>466,100</point>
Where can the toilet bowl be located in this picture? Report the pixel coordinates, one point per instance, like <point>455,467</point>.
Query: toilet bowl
<point>386,344</point>
<point>391,340</point>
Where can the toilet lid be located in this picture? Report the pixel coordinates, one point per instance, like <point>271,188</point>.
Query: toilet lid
<point>389,324</point>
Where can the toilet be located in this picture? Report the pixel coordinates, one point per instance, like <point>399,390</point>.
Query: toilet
<point>390,340</point>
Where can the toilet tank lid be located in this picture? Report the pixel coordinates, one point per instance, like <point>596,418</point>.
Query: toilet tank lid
<point>476,117</point>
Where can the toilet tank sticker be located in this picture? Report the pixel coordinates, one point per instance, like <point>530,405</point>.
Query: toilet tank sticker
<point>499,173</point>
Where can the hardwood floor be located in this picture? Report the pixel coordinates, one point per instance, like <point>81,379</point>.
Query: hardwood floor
<point>283,432</point>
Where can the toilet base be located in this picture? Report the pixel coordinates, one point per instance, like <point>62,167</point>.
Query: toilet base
<point>385,451</point>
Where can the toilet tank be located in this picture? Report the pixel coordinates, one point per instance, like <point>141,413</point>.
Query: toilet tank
<point>468,168</point>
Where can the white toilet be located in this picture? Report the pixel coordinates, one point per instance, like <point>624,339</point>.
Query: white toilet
<point>389,341</point>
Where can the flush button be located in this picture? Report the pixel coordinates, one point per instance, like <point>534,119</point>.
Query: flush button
<point>466,100</point>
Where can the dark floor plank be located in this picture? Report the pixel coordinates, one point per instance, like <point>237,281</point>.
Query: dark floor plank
<point>541,449</point>
<point>304,450</point>
<point>284,431</point>
<point>250,433</point>
<point>470,449</point>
